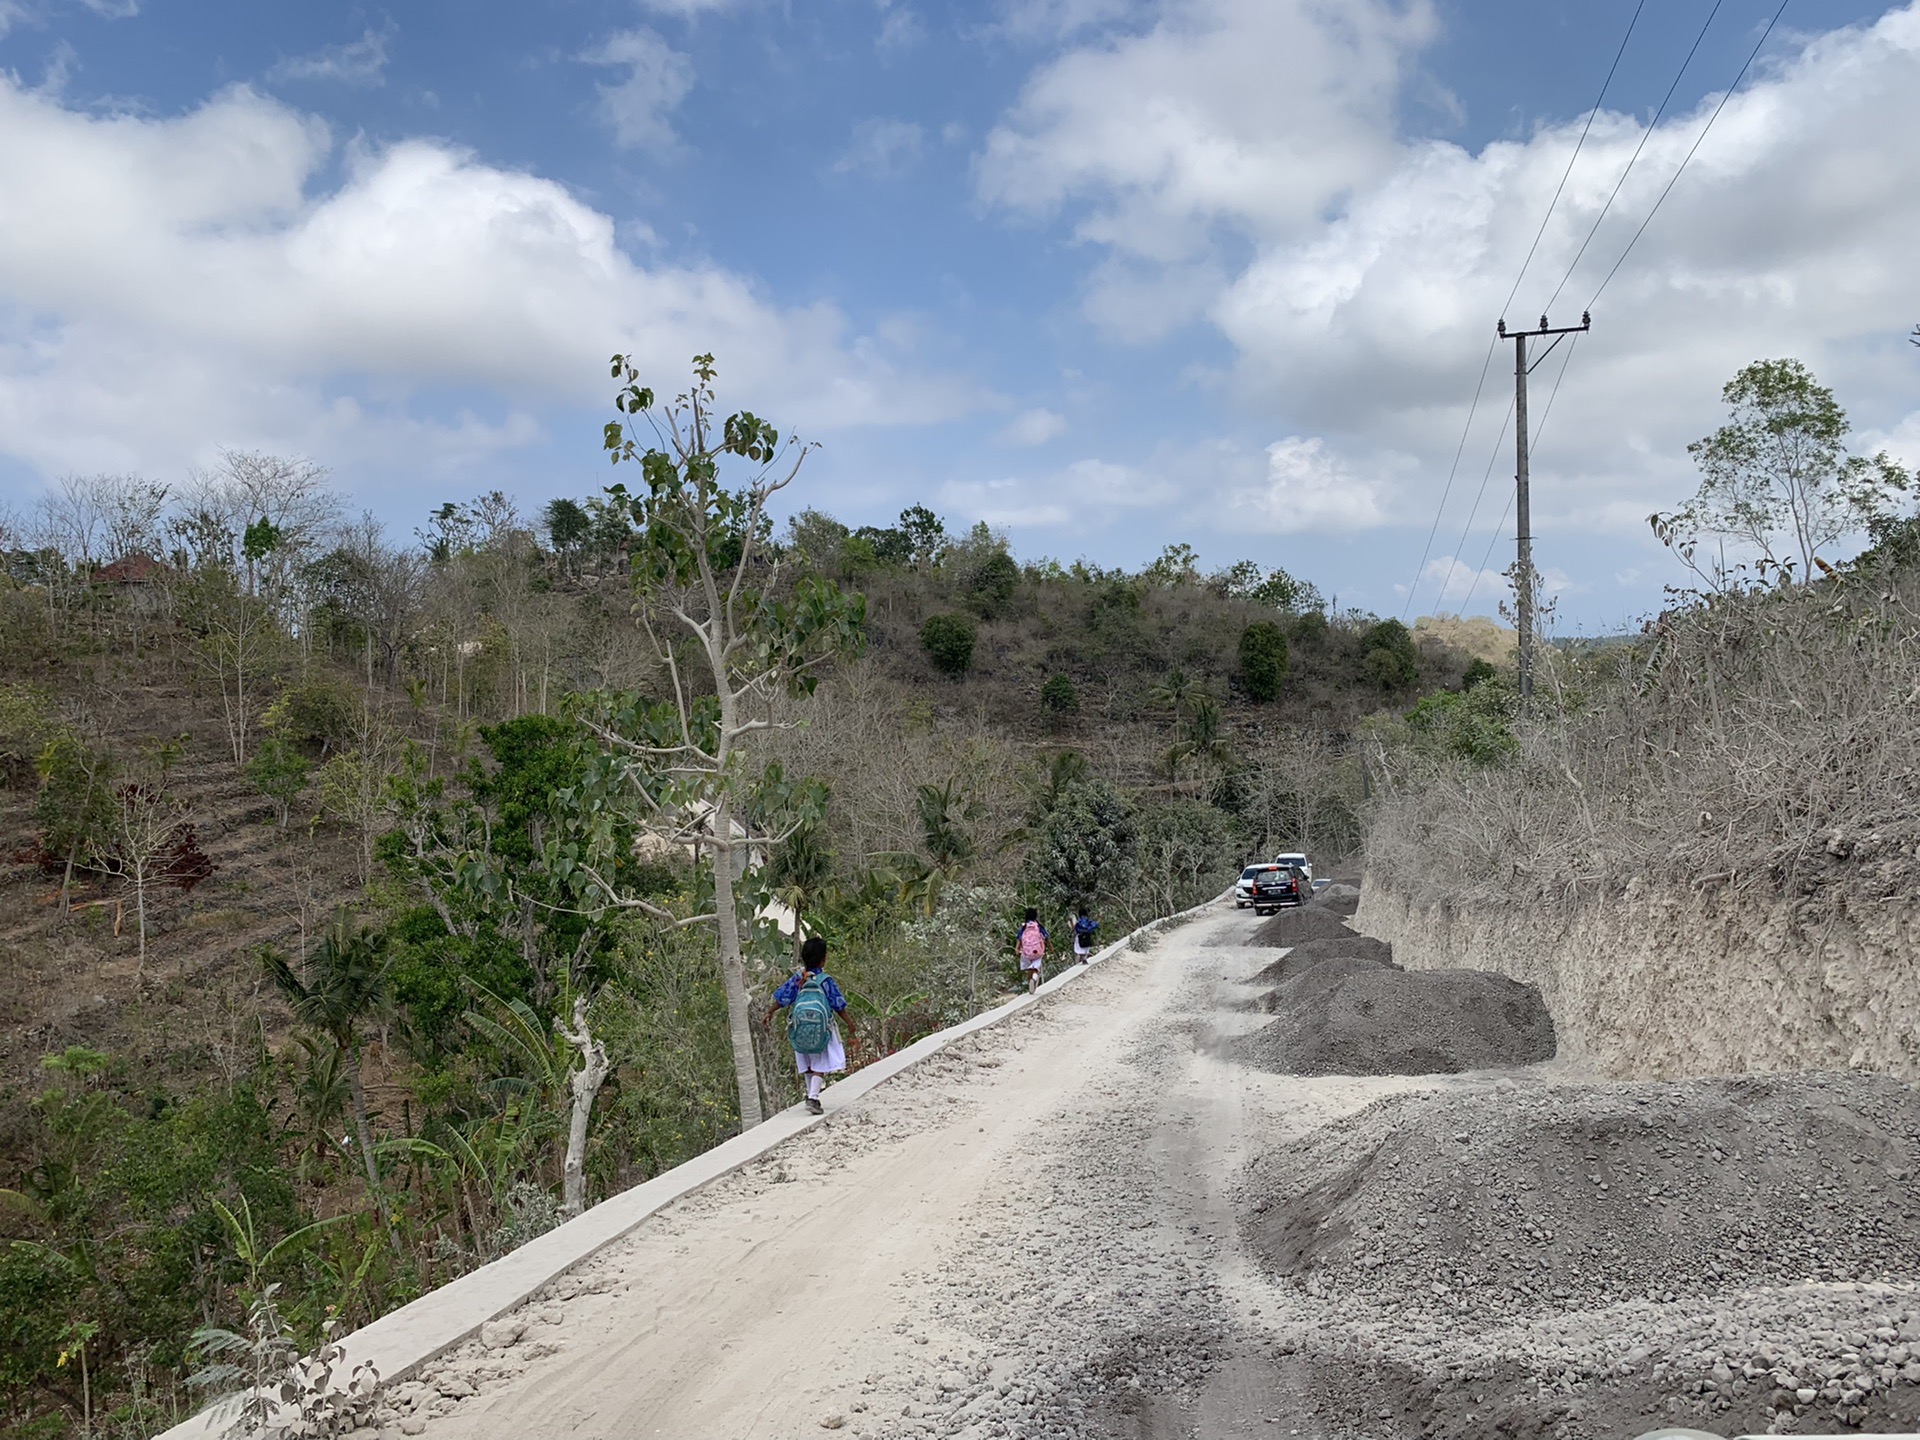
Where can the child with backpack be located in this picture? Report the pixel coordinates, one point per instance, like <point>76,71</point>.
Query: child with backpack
<point>813,1000</point>
<point>1031,945</point>
<point>1083,928</point>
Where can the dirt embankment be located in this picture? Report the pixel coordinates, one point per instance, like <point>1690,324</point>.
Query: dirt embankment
<point>1664,981</point>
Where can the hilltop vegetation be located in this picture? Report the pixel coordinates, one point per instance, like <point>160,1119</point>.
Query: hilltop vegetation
<point>331,853</point>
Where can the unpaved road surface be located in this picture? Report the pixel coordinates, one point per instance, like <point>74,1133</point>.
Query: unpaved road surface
<point>1040,1232</point>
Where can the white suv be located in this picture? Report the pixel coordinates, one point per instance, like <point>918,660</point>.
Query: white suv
<point>1295,860</point>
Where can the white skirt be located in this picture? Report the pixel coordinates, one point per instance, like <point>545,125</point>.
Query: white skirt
<point>830,1061</point>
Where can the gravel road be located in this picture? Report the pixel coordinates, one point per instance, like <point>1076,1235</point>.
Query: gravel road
<point>1055,1228</point>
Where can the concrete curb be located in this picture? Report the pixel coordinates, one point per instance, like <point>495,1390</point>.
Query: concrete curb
<point>402,1342</point>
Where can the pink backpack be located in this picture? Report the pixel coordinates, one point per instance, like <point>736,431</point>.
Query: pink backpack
<point>1032,945</point>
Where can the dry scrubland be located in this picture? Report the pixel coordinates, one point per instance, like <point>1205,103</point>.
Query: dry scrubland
<point>1705,854</point>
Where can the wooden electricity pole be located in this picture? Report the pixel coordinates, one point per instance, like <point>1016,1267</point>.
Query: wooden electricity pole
<point>1523,586</point>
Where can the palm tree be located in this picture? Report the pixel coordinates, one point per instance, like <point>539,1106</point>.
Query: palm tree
<point>1203,738</point>
<point>342,983</point>
<point>1176,693</point>
<point>942,813</point>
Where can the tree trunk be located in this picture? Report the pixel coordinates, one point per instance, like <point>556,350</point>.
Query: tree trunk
<point>733,969</point>
<point>585,1084</point>
<point>140,920</point>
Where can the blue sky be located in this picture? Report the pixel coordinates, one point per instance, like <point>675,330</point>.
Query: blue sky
<point>1106,273</point>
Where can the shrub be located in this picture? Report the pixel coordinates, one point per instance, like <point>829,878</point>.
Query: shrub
<point>948,640</point>
<point>1478,672</point>
<point>1085,847</point>
<point>1388,657</point>
<point>1058,698</point>
<point>1263,660</point>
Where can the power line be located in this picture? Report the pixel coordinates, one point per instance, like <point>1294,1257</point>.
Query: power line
<point>1633,159</point>
<point>1581,142</point>
<point>1545,415</point>
<point>1446,490</point>
<point>1453,560</point>
<point>1751,57</point>
<point>1452,469</point>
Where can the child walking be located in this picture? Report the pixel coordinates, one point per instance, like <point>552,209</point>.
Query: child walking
<point>1083,928</point>
<point>1031,943</point>
<point>815,1000</point>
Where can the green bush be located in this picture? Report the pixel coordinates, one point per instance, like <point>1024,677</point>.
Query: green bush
<point>948,640</point>
<point>1058,698</point>
<point>1085,846</point>
<point>1388,656</point>
<point>1263,660</point>
<point>1478,672</point>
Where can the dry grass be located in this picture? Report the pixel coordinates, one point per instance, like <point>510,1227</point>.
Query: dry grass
<point>1748,740</point>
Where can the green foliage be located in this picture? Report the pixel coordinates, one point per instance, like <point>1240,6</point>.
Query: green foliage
<point>1388,656</point>
<point>321,713</point>
<point>279,772</point>
<point>1777,479</point>
<point>1187,851</point>
<point>75,809</point>
<point>1478,672</point>
<point>1084,847</point>
<point>1059,698</point>
<point>27,724</point>
<point>1473,725</point>
<point>1263,661</point>
<point>948,641</point>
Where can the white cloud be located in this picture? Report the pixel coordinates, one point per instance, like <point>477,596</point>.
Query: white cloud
<point>900,28</point>
<point>1042,20</point>
<point>1308,487</point>
<point>1249,116</point>
<point>1084,495</point>
<point>1034,427</point>
<point>359,62</point>
<point>882,149</point>
<point>1238,162</point>
<point>687,9</point>
<point>1451,583</point>
<point>189,282</point>
<point>658,79</point>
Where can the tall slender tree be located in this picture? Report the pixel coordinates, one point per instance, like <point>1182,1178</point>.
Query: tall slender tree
<point>730,634</point>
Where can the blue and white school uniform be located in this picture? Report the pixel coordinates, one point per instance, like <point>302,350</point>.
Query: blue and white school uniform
<point>833,1059</point>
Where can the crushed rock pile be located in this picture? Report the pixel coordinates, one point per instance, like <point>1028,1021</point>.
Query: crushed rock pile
<point>1361,1017</point>
<point>1311,952</point>
<point>1299,924</point>
<point>1538,1196</point>
<point>1339,899</point>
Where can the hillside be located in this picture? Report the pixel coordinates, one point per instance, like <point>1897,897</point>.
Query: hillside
<point>287,736</point>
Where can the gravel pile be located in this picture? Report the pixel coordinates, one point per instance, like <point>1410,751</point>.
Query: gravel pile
<point>1565,1195</point>
<point>1340,899</point>
<point>1310,952</point>
<point>1365,1018</point>
<point>1301,923</point>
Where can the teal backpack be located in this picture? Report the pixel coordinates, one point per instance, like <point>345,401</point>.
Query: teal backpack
<point>810,1021</point>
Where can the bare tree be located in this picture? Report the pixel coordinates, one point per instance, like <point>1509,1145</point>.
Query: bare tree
<point>149,844</point>
<point>585,1084</point>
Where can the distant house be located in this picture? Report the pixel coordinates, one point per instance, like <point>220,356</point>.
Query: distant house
<point>137,578</point>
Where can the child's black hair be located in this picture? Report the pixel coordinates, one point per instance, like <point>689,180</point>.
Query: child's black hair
<point>813,953</point>
<point>1032,914</point>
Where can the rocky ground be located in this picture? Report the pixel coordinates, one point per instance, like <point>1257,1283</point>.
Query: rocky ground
<point>1091,1222</point>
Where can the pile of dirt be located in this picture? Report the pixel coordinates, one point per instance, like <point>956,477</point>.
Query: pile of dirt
<point>1309,986</point>
<point>1514,1199</point>
<point>1301,923</point>
<point>1342,900</point>
<point>1365,1018</point>
<point>1312,952</point>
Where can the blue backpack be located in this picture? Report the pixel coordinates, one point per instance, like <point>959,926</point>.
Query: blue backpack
<point>810,1021</point>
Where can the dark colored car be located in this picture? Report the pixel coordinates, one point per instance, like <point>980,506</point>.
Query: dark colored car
<point>1279,887</point>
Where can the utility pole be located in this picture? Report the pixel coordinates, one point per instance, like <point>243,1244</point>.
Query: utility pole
<point>1523,585</point>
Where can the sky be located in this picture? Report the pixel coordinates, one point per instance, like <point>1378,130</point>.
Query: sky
<point>1106,274</point>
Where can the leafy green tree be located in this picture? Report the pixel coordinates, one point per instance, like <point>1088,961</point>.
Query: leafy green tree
<point>991,581</point>
<point>1176,693</point>
<point>948,641</point>
<point>1084,846</point>
<point>279,772</point>
<point>1263,660</point>
<point>711,597</point>
<point>1478,672</point>
<point>1473,725</point>
<point>341,987</point>
<point>944,814</point>
<point>1388,656</point>
<point>75,808</point>
<point>1059,698</point>
<point>1777,477</point>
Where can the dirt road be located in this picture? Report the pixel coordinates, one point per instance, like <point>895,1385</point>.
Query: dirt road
<point>1042,1232</point>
